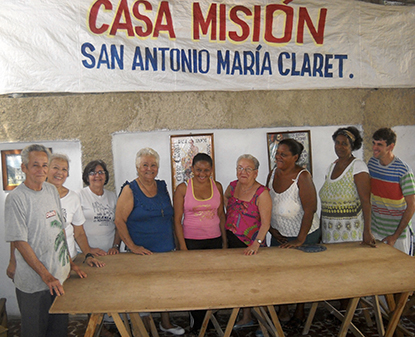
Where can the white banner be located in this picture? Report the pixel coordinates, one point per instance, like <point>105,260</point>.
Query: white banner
<point>148,45</point>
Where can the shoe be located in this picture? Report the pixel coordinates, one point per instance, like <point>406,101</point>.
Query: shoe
<point>259,333</point>
<point>176,330</point>
<point>246,325</point>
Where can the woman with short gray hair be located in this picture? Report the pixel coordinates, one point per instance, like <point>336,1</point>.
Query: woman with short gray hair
<point>144,216</point>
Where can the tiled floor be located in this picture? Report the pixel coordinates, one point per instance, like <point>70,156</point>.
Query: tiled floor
<point>323,326</point>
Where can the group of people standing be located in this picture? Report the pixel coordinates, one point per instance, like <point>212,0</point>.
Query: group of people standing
<point>357,204</point>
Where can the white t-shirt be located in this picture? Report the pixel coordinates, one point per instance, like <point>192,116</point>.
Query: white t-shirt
<point>99,212</point>
<point>72,215</point>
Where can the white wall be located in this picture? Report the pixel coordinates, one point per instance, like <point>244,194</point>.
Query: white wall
<point>229,144</point>
<point>74,181</point>
<point>405,144</point>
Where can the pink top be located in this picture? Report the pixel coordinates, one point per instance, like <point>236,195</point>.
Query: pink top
<point>201,220</point>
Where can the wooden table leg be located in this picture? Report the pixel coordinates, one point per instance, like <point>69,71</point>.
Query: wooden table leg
<point>263,324</point>
<point>310,318</point>
<point>205,323</point>
<point>231,322</point>
<point>120,325</point>
<point>153,328</point>
<point>216,324</point>
<point>355,331</point>
<point>409,305</point>
<point>378,315</point>
<point>209,316</point>
<point>275,321</point>
<point>394,320</point>
<point>94,320</point>
<point>351,308</point>
<point>124,317</point>
<point>138,324</point>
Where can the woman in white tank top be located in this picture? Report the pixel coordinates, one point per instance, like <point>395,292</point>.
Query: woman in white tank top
<point>294,199</point>
<point>294,203</point>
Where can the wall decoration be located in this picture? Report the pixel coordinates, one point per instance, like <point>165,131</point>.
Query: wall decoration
<point>182,150</point>
<point>273,139</point>
<point>13,175</point>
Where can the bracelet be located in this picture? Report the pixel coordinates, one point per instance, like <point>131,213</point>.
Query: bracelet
<point>88,255</point>
<point>116,246</point>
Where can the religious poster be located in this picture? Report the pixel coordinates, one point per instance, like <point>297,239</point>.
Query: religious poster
<point>182,149</point>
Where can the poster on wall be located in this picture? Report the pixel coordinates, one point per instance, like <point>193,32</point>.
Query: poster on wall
<point>182,150</point>
<point>13,175</point>
<point>274,138</point>
<point>153,45</point>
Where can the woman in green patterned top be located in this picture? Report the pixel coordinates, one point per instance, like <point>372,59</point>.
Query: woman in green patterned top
<point>345,194</point>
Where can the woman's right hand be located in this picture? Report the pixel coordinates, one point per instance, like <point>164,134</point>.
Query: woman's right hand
<point>93,262</point>
<point>140,250</point>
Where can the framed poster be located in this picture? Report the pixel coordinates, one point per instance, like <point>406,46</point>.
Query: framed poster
<point>182,150</point>
<point>13,175</point>
<point>273,139</point>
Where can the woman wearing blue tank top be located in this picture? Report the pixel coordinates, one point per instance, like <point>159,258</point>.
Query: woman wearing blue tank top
<point>144,216</point>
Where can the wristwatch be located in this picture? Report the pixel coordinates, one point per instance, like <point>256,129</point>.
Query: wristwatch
<point>259,241</point>
<point>116,246</point>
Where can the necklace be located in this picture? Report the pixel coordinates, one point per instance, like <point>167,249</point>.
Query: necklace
<point>155,195</point>
<point>246,190</point>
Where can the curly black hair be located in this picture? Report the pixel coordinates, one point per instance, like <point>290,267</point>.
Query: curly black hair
<point>352,134</point>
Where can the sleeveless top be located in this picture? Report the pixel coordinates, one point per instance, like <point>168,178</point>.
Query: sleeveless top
<point>242,217</point>
<point>201,220</point>
<point>341,210</point>
<point>287,210</point>
<point>150,223</point>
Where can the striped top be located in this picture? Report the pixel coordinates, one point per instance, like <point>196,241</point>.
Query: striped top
<point>389,185</point>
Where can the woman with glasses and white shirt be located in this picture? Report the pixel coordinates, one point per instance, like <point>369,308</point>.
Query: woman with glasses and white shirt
<point>98,205</point>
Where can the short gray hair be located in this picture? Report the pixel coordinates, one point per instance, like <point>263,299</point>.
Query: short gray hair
<point>33,148</point>
<point>147,151</point>
<point>249,157</point>
<point>59,156</point>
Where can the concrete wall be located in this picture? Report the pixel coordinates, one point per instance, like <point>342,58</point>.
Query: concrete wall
<point>91,120</point>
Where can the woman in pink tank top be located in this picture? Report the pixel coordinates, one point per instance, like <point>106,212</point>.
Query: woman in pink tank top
<point>199,217</point>
<point>201,203</point>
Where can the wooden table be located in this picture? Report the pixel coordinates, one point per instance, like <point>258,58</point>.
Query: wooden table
<point>216,279</point>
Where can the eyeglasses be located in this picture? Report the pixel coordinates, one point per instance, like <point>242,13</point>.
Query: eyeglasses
<point>248,170</point>
<point>93,173</point>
